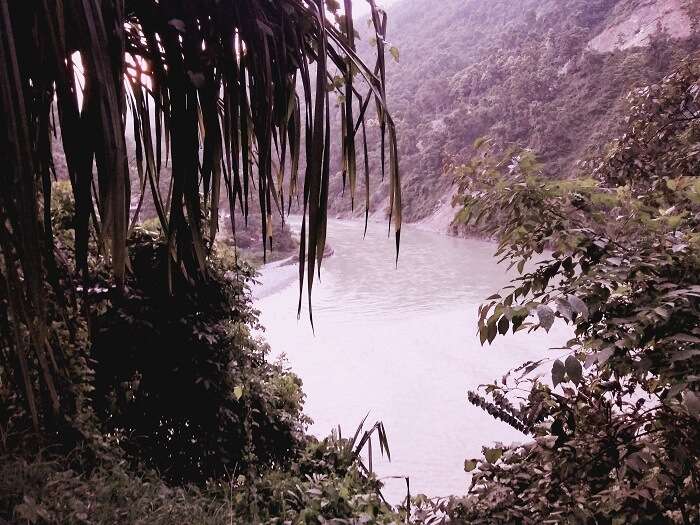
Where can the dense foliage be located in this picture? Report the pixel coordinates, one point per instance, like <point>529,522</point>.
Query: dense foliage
<point>222,91</point>
<point>184,381</point>
<point>132,388</point>
<point>520,72</point>
<point>131,347</point>
<point>179,416</point>
<point>616,423</point>
<point>324,483</point>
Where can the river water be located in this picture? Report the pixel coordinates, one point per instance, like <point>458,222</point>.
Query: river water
<point>401,344</point>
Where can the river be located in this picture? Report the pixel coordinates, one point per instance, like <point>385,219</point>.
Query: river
<point>401,344</point>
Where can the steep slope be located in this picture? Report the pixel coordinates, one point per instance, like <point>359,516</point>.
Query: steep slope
<point>551,75</point>
<point>637,26</point>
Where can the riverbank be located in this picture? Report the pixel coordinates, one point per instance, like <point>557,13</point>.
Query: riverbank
<point>440,221</point>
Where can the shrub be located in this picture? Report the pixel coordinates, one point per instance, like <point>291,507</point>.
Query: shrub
<point>615,427</point>
<point>179,416</point>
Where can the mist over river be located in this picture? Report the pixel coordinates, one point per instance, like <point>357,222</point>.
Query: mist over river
<point>400,343</point>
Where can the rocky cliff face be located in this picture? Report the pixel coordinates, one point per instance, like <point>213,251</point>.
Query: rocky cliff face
<point>551,75</point>
<point>635,24</point>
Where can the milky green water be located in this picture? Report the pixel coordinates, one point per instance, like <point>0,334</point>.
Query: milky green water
<point>400,343</point>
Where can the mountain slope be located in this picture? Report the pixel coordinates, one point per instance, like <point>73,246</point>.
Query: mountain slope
<point>551,75</point>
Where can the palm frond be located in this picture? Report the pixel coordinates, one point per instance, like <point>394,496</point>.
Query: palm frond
<point>210,90</point>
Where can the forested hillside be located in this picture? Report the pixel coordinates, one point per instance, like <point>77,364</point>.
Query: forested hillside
<point>549,75</point>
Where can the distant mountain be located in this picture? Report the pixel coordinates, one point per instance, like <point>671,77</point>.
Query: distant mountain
<point>551,75</point>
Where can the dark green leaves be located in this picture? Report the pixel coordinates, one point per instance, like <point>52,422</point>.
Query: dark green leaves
<point>492,454</point>
<point>491,331</point>
<point>569,370</point>
<point>602,356</point>
<point>545,315</point>
<point>212,99</point>
<point>573,369</point>
<point>470,464</point>
<point>503,325</point>
<point>558,372</point>
<point>623,271</point>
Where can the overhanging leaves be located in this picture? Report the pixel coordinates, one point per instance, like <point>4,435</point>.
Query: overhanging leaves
<point>209,89</point>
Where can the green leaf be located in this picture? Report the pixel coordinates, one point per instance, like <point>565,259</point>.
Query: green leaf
<point>565,309</point>
<point>491,332</point>
<point>469,465</point>
<point>546,316</point>
<point>238,392</point>
<point>558,372</point>
<point>604,355</point>
<point>518,321</point>
<point>394,52</point>
<point>578,306</point>
<point>492,454</point>
<point>573,369</point>
<point>591,359</point>
<point>483,334</point>
<point>503,325</point>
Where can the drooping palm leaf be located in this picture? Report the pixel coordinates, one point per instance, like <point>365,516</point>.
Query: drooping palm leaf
<point>207,86</point>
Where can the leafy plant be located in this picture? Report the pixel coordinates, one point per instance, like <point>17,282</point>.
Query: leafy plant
<point>323,484</point>
<point>183,417</point>
<point>616,425</point>
<point>210,88</point>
